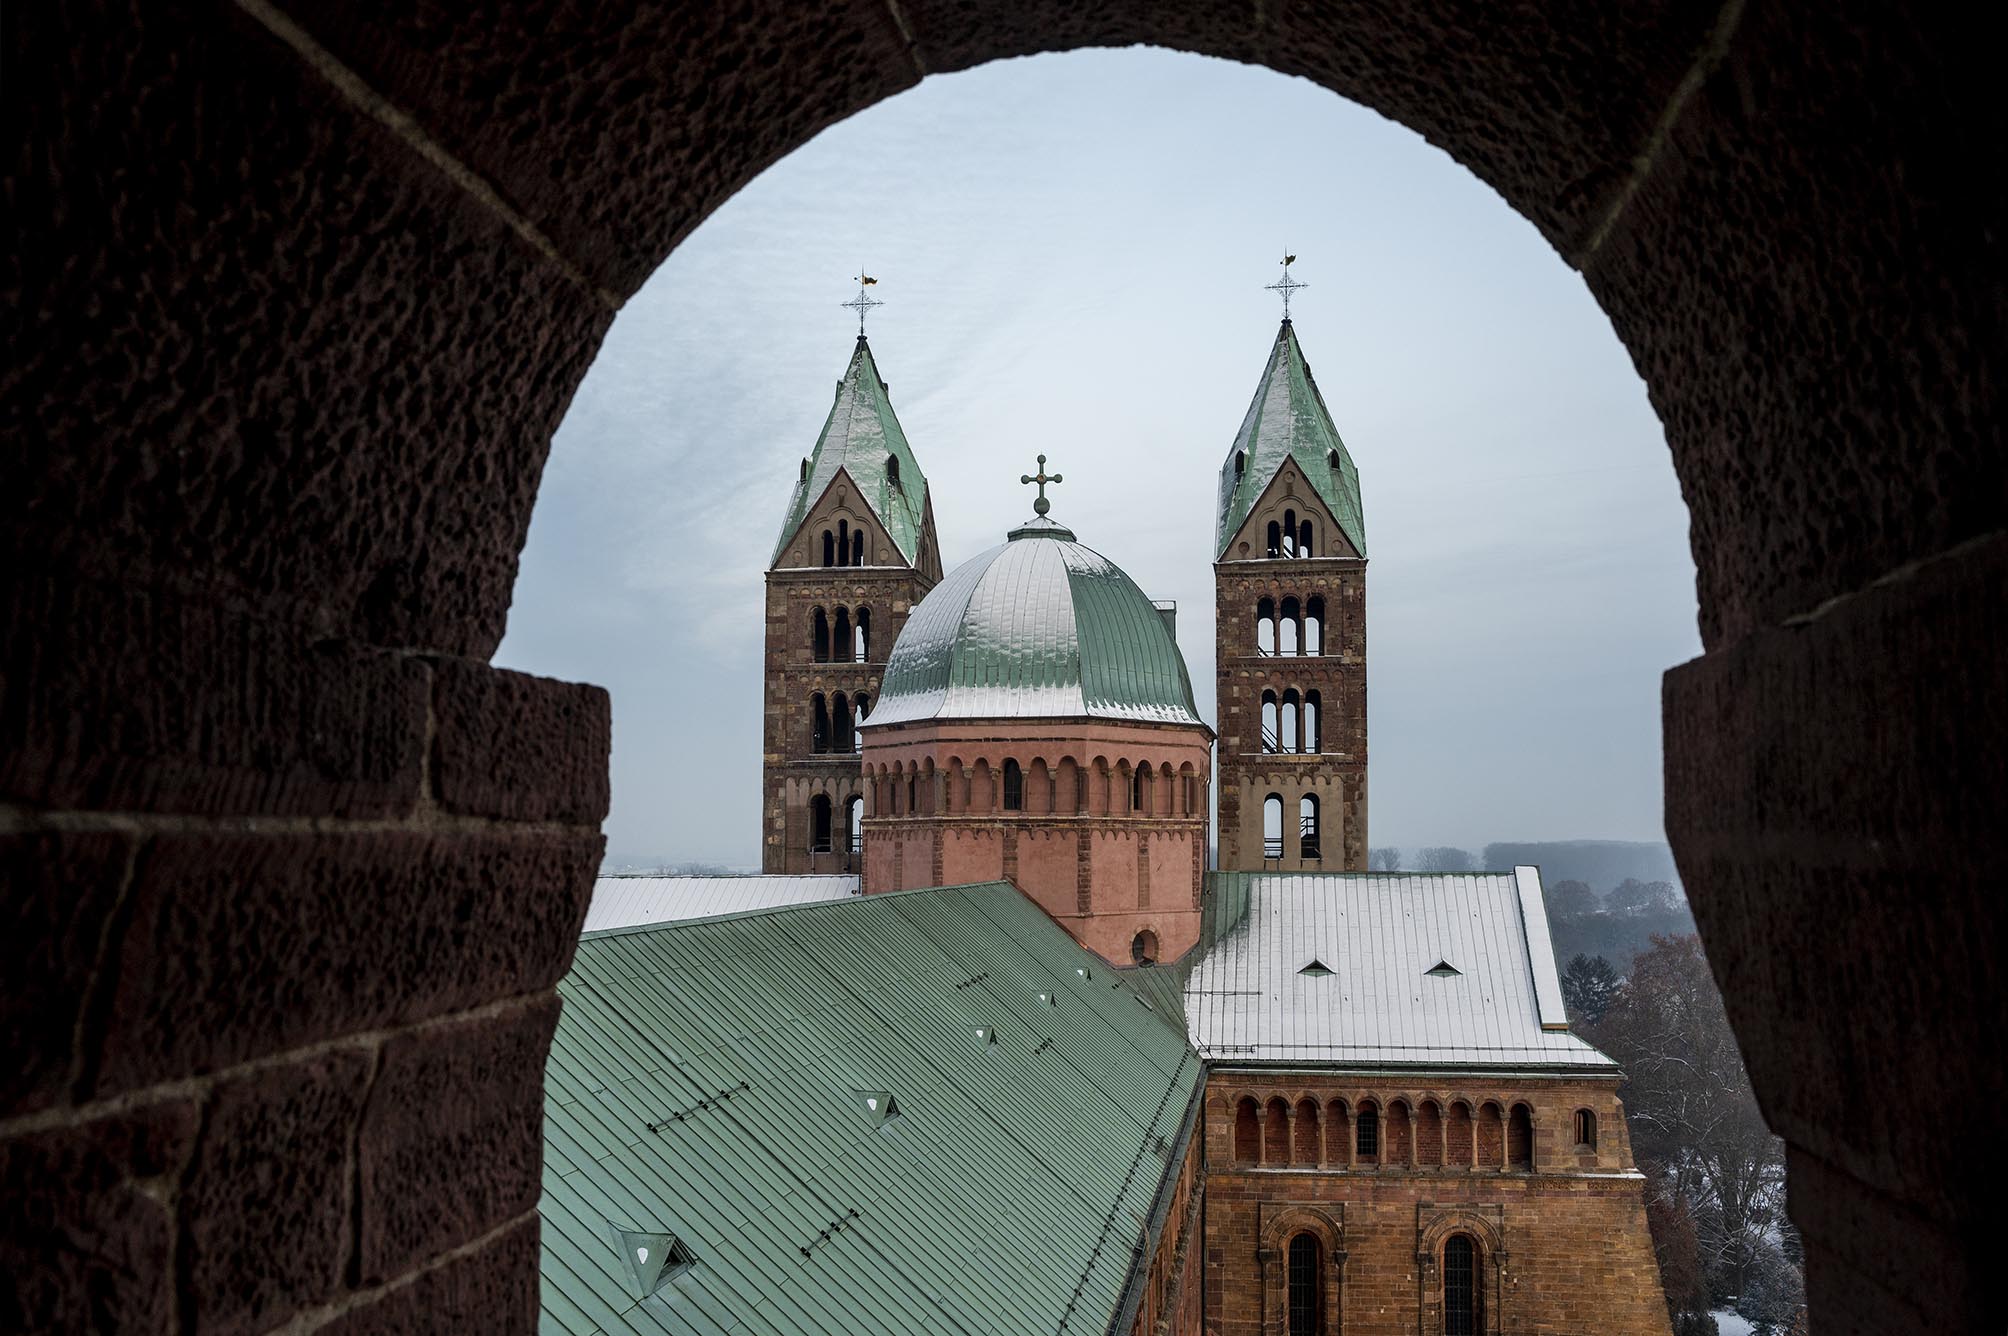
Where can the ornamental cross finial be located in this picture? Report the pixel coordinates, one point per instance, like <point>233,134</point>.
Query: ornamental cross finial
<point>1286,284</point>
<point>1042,505</point>
<point>864,301</point>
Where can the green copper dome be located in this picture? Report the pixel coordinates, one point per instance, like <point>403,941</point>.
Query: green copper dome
<point>1040,627</point>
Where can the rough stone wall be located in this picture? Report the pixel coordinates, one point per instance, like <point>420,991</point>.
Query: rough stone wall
<point>1337,773</point>
<point>1172,1303</point>
<point>1564,1247</point>
<point>792,772</point>
<point>297,296</point>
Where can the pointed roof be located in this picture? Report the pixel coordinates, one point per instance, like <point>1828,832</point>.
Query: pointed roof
<point>859,436</point>
<point>1289,420</point>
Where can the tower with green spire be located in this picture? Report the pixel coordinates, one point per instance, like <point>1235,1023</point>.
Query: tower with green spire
<point>856,552</point>
<point>1289,588</point>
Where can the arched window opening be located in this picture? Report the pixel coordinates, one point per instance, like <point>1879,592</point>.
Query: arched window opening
<point>862,637</point>
<point>1313,707</point>
<point>1014,787</point>
<point>1289,533</point>
<point>819,725</point>
<point>1520,1138</point>
<point>1306,1151</point>
<point>1276,1132</point>
<point>1307,828</point>
<point>1586,1130</point>
<point>1265,626</point>
<point>1289,628</point>
<point>1271,724</point>
<point>819,824</point>
<point>1287,723</point>
<point>1460,1286</point>
<point>1247,1131</point>
<point>912,794</point>
<point>1140,791</point>
<point>1304,539</point>
<point>842,737</point>
<point>840,634</point>
<point>1275,544</point>
<point>1143,948</point>
<point>1366,1131</point>
<point>805,470</point>
<point>1240,464</point>
<point>858,548</point>
<point>1306,1288</point>
<point>819,635</point>
<point>892,469</point>
<point>854,827</point>
<point>1314,625</point>
<point>860,706</point>
<point>843,542</point>
<point>1272,826</point>
<point>829,548</point>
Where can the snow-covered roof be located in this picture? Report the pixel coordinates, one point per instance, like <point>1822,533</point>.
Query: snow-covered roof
<point>1381,969</point>
<point>630,902</point>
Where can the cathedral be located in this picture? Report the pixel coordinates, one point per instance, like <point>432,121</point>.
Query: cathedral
<point>998,1042</point>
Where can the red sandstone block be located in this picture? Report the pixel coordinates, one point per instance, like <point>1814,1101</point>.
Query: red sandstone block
<point>493,1289</point>
<point>452,1141</point>
<point>128,700</point>
<point>264,1204</point>
<point>517,747</point>
<point>246,944</point>
<point>58,891</point>
<point>82,1247</point>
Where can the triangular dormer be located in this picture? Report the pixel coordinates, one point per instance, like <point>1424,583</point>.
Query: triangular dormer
<point>1288,423</point>
<point>862,456</point>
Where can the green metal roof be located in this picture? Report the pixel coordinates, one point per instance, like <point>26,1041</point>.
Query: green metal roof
<point>859,436</point>
<point>920,1112</point>
<point>1288,420</point>
<point>1040,627</point>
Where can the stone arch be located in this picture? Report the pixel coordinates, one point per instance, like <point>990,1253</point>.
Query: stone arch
<point>1429,1134</point>
<point>1306,1135</point>
<point>1667,159</point>
<point>1276,1130</point>
<point>1457,1133</point>
<point>1486,1227</point>
<point>1280,1224</point>
<point>1247,1130</point>
<point>1338,1133</point>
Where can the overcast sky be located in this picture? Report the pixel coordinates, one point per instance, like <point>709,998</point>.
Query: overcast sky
<point>1072,252</point>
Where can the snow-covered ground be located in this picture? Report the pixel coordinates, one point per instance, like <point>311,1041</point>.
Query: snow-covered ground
<point>1728,1324</point>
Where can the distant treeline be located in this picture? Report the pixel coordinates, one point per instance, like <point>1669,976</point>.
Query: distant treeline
<point>1602,865</point>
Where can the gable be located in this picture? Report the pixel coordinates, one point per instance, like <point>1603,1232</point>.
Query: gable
<point>842,503</point>
<point>1289,492</point>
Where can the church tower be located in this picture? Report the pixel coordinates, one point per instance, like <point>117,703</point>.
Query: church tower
<point>1289,601</point>
<point>856,553</point>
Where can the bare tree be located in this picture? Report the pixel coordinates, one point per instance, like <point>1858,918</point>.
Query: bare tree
<point>1572,899</point>
<point>1693,1116</point>
<point>1444,858</point>
<point>1387,858</point>
<point>1633,896</point>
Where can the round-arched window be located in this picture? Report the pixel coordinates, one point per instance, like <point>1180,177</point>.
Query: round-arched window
<point>1143,948</point>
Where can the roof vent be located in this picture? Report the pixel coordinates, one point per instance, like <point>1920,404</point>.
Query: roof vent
<point>1443,969</point>
<point>878,1106</point>
<point>1049,1000</point>
<point>653,1260</point>
<point>1317,969</point>
<point>986,1036</point>
<point>1082,970</point>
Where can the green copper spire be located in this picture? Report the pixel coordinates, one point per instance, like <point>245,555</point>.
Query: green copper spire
<point>1289,420</point>
<point>864,439</point>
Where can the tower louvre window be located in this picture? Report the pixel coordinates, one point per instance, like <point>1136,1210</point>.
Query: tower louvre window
<point>892,469</point>
<point>1014,787</point>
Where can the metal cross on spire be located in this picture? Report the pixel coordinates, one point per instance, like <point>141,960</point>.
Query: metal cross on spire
<point>1042,505</point>
<point>864,301</point>
<point>1286,284</point>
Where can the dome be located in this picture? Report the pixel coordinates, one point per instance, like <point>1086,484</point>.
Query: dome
<point>1039,627</point>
